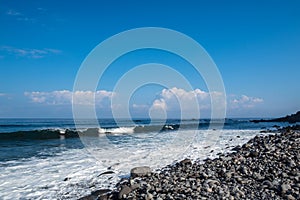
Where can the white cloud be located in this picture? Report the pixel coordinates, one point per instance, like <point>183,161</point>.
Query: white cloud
<point>169,100</point>
<point>140,106</point>
<point>13,13</point>
<point>86,97</point>
<point>20,16</point>
<point>64,97</point>
<point>29,53</point>
<point>41,9</point>
<point>243,101</point>
<point>26,19</point>
<point>2,94</point>
<point>54,51</point>
<point>159,104</point>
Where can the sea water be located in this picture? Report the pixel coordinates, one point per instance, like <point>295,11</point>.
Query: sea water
<point>40,159</point>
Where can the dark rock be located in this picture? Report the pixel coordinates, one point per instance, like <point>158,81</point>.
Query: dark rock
<point>186,162</point>
<point>290,197</point>
<point>253,154</point>
<point>268,184</point>
<point>98,194</point>
<point>106,173</point>
<point>285,187</point>
<point>67,178</point>
<point>140,171</point>
<point>237,148</point>
<point>124,191</point>
<point>135,186</point>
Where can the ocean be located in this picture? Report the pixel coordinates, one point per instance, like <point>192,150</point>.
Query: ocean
<point>45,158</point>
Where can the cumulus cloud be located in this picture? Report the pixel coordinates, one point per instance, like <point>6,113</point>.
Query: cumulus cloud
<point>176,100</point>
<point>244,101</point>
<point>64,97</point>
<point>171,99</point>
<point>159,104</point>
<point>29,53</point>
<point>180,99</point>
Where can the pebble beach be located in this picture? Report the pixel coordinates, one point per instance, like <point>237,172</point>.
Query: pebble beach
<point>266,167</point>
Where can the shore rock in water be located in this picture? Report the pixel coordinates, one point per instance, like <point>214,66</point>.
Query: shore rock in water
<point>106,173</point>
<point>99,194</point>
<point>186,162</point>
<point>140,171</point>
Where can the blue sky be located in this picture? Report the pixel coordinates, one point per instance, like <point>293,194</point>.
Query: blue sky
<point>255,45</point>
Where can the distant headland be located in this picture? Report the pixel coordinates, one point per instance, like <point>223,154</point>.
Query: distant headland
<point>289,118</point>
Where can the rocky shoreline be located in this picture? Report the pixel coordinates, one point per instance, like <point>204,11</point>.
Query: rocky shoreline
<point>293,118</point>
<point>266,167</point>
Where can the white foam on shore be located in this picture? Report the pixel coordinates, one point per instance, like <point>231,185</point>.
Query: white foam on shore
<point>74,173</point>
<point>119,130</point>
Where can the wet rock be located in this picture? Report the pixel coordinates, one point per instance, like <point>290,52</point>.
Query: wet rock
<point>124,191</point>
<point>237,148</point>
<point>186,162</point>
<point>290,197</point>
<point>285,187</point>
<point>135,186</point>
<point>149,196</point>
<point>267,184</point>
<point>67,178</point>
<point>98,194</point>
<point>253,154</point>
<point>106,173</point>
<point>140,171</point>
